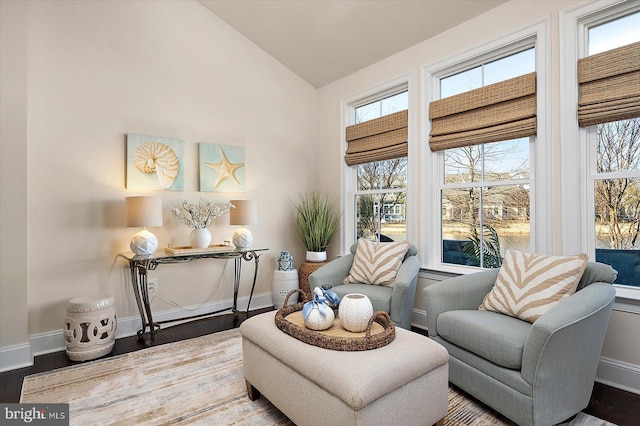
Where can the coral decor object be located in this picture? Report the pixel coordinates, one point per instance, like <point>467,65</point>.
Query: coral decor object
<point>200,216</point>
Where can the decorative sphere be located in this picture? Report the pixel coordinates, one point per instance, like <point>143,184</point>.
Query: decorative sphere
<point>242,238</point>
<point>355,311</point>
<point>316,321</point>
<point>144,243</point>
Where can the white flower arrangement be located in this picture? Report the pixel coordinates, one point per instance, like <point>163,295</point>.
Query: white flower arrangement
<point>200,216</point>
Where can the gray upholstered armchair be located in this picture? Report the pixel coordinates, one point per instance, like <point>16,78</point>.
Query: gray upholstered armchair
<point>534,374</point>
<point>396,299</point>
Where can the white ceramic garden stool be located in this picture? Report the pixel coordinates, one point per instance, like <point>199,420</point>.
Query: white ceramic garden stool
<point>283,282</point>
<point>90,327</point>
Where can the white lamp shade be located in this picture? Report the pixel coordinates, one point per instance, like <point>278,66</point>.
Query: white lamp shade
<point>144,211</point>
<point>245,213</point>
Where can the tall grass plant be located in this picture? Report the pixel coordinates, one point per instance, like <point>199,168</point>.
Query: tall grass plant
<point>317,220</point>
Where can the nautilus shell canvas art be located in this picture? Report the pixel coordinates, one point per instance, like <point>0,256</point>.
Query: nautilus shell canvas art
<point>222,168</point>
<point>155,163</point>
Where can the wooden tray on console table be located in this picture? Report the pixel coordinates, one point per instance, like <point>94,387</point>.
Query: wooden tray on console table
<point>182,250</point>
<point>380,332</point>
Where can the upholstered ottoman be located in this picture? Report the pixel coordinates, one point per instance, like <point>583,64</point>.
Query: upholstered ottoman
<point>404,382</point>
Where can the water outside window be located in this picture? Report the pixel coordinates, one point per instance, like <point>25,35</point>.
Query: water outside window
<point>486,195</point>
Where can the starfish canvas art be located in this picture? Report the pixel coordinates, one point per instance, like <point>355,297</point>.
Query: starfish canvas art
<point>222,168</point>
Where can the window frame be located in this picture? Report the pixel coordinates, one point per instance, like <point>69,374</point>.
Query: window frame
<point>577,201</point>
<point>348,174</point>
<point>540,161</point>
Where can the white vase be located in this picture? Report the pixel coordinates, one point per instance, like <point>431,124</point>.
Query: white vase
<point>200,238</point>
<point>355,311</point>
<point>316,256</point>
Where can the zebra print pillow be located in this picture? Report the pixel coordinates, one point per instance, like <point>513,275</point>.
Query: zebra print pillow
<point>528,285</point>
<point>376,263</point>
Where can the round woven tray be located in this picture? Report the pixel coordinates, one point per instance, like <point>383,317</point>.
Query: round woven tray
<point>380,331</point>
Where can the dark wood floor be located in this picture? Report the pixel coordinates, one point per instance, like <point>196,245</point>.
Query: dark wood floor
<point>608,403</point>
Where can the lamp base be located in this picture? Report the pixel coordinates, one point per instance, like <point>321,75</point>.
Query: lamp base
<point>144,243</point>
<point>242,238</point>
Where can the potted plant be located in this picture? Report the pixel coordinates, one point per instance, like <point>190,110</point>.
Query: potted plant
<point>317,223</point>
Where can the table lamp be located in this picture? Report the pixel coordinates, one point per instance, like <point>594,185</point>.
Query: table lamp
<point>245,213</point>
<point>144,211</point>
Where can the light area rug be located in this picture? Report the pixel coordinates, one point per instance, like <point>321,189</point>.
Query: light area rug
<point>193,382</point>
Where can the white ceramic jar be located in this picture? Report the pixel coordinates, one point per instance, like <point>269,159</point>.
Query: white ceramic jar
<point>355,311</point>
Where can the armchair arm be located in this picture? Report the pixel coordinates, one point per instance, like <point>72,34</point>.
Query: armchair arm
<point>332,273</point>
<point>404,292</point>
<point>561,354</point>
<point>458,293</point>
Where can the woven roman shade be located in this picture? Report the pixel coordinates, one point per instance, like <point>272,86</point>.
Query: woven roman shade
<point>609,86</point>
<point>498,112</point>
<point>379,139</point>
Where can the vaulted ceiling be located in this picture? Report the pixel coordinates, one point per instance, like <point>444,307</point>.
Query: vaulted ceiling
<point>324,40</point>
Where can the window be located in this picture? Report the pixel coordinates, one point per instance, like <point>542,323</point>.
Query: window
<point>379,196</point>
<point>614,168</point>
<point>601,154</point>
<point>485,188</point>
<point>487,153</point>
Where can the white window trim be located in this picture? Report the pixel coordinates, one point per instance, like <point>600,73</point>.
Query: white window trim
<point>576,219</point>
<point>575,224</point>
<point>348,174</point>
<point>541,223</point>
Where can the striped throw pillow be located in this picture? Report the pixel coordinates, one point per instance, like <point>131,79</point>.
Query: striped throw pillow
<point>376,263</point>
<point>528,285</point>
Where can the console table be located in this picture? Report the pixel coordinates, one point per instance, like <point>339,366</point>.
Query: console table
<point>141,265</point>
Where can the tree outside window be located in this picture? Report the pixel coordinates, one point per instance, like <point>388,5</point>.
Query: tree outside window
<point>615,173</point>
<point>485,203</point>
<point>486,188</point>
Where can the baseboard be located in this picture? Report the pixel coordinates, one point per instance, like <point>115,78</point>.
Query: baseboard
<point>619,375</point>
<point>130,326</point>
<point>15,356</point>
<point>18,356</point>
<point>47,342</point>
<point>419,319</point>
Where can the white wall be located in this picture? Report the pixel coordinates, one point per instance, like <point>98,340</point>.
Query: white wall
<point>96,71</point>
<point>14,349</point>
<point>509,18</point>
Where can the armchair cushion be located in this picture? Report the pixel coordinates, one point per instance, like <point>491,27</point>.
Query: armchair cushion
<point>380,295</point>
<point>490,335</point>
<point>376,263</point>
<point>528,284</point>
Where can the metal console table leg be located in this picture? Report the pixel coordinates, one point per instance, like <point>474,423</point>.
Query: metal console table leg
<point>140,266</point>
